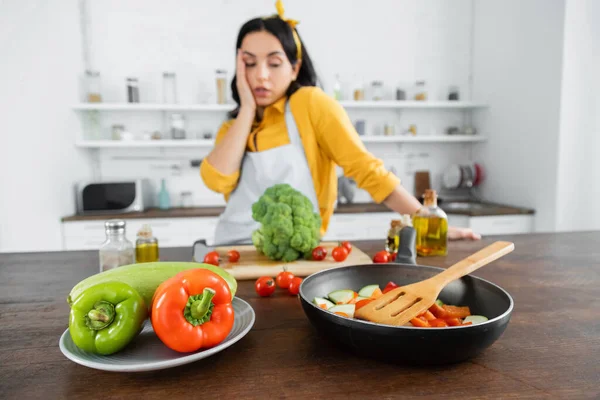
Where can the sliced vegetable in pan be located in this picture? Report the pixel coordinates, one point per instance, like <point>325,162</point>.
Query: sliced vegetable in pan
<point>344,302</point>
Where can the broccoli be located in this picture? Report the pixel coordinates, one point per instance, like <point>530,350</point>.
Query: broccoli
<point>289,229</point>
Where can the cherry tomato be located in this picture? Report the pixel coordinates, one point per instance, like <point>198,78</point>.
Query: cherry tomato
<point>234,255</point>
<point>381,257</point>
<point>393,256</point>
<point>284,279</point>
<point>339,253</point>
<point>212,258</point>
<point>389,286</point>
<point>264,286</point>
<point>348,246</point>
<point>319,253</point>
<point>294,288</point>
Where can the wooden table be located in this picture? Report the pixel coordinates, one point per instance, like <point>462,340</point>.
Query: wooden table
<point>551,348</point>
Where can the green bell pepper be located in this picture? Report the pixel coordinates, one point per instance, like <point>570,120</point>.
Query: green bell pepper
<point>105,317</point>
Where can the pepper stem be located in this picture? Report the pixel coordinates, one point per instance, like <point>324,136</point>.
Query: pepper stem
<point>100,316</point>
<point>199,307</point>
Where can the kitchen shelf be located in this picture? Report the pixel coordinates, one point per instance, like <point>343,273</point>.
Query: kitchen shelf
<point>424,139</point>
<point>152,107</point>
<point>411,104</point>
<point>229,107</point>
<point>100,144</point>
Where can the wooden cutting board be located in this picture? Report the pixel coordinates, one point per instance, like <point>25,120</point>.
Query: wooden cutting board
<point>252,265</point>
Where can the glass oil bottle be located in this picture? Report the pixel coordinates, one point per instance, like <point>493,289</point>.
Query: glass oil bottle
<point>392,243</point>
<point>431,225</point>
<point>146,246</point>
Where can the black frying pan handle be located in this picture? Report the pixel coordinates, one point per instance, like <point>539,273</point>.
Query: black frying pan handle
<point>407,250</point>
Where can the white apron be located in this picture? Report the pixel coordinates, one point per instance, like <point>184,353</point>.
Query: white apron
<point>259,171</point>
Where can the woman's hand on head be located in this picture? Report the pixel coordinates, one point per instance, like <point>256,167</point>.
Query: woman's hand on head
<point>455,233</point>
<point>244,91</point>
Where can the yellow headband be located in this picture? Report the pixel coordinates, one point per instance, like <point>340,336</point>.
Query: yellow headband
<point>292,23</point>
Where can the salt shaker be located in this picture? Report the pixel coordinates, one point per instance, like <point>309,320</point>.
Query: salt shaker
<point>117,250</point>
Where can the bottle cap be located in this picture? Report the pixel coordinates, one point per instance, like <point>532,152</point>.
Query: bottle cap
<point>114,225</point>
<point>145,231</point>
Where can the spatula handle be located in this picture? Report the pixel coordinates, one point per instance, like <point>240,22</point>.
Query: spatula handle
<point>473,262</point>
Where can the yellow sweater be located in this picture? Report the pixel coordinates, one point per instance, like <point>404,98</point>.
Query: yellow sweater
<point>329,138</point>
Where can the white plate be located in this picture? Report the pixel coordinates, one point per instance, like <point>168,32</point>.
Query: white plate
<point>146,352</point>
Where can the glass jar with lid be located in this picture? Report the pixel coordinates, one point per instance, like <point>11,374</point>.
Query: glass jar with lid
<point>420,91</point>
<point>116,250</point>
<point>169,88</point>
<point>221,81</point>
<point>377,90</point>
<point>146,246</point>
<point>177,126</point>
<point>93,89</point>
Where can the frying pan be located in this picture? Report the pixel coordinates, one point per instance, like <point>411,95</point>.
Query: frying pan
<point>402,344</point>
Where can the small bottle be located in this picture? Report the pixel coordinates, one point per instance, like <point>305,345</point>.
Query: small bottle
<point>146,245</point>
<point>431,225</point>
<point>164,200</point>
<point>117,250</point>
<point>393,237</point>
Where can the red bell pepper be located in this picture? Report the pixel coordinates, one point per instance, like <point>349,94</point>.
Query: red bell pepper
<point>192,310</point>
<point>389,286</point>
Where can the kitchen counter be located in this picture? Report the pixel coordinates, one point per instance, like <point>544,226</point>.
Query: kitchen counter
<point>549,350</point>
<point>459,208</point>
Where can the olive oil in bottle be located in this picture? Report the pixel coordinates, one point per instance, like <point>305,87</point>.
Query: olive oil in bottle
<point>431,225</point>
<point>146,246</point>
<point>392,243</point>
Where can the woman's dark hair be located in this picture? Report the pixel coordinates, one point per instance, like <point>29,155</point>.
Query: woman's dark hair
<point>283,32</point>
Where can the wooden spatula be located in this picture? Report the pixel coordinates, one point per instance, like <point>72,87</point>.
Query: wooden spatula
<point>400,305</point>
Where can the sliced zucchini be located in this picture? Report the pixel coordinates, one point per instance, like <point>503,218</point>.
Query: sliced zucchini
<point>323,303</point>
<point>475,319</point>
<point>347,309</point>
<point>367,291</point>
<point>439,302</point>
<point>343,296</point>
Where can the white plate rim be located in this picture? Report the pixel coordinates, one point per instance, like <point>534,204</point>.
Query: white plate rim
<point>159,364</point>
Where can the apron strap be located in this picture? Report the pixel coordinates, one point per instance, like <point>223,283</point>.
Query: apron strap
<point>292,129</point>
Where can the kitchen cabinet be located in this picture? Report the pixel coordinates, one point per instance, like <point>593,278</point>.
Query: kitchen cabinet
<point>170,232</point>
<point>359,226</point>
<point>493,224</point>
<point>183,232</point>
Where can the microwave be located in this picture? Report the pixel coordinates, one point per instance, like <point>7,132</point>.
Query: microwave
<point>115,196</point>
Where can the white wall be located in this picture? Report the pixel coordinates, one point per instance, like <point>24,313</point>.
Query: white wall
<point>517,69</point>
<point>395,41</point>
<point>40,47</point>
<point>579,143</point>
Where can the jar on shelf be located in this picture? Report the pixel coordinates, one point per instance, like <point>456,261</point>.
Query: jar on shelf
<point>453,93</point>
<point>117,250</point>
<point>186,199</point>
<point>377,90</point>
<point>358,92</point>
<point>177,126</point>
<point>133,90</point>
<point>93,86</point>
<point>117,131</point>
<point>169,88</point>
<point>420,91</point>
<point>221,80</point>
